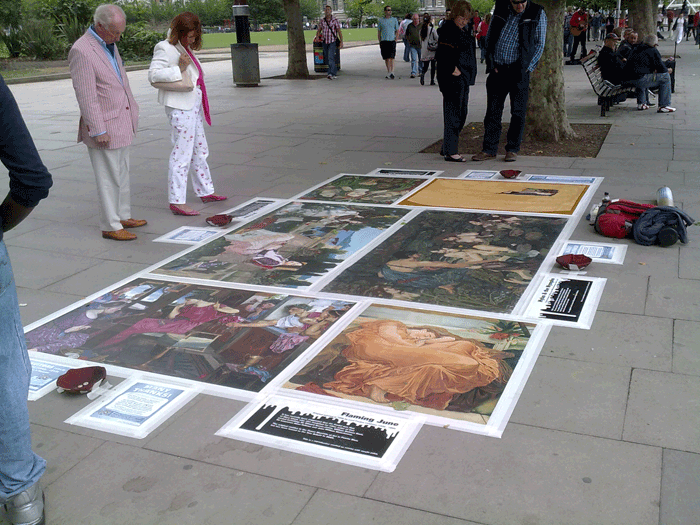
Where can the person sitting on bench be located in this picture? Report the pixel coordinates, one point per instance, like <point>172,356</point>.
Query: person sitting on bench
<point>645,69</point>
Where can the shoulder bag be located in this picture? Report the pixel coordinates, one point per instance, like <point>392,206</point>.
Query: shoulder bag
<point>183,85</point>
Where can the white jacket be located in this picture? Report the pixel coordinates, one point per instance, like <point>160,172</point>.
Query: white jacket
<point>165,68</point>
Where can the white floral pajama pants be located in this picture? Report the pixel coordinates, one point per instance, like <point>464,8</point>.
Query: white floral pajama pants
<point>190,152</point>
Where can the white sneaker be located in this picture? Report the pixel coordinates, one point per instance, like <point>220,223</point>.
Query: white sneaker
<point>666,109</point>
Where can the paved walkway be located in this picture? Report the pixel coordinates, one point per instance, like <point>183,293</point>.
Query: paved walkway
<point>607,430</point>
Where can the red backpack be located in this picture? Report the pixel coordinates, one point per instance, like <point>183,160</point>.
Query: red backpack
<point>615,218</point>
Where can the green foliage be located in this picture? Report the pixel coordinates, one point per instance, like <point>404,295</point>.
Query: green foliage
<point>13,42</point>
<point>267,11</point>
<point>310,9</point>
<point>361,10</point>
<point>138,41</point>
<point>9,14</point>
<point>59,10</point>
<point>71,29</point>
<point>483,6</point>
<point>399,8</point>
<point>39,41</point>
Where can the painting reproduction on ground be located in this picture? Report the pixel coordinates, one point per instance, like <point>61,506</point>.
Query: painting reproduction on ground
<point>447,366</point>
<point>234,338</point>
<point>291,247</point>
<point>479,261</point>
<point>499,196</point>
<point>364,189</point>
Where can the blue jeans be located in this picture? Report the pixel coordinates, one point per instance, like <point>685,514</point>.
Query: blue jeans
<point>329,55</point>
<point>406,52</point>
<point>415,57</point>
<point>20,468</point>
<point>652,80</point>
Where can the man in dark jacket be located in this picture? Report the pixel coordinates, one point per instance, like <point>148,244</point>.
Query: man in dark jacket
<point>514,45</point>
<point>610,63</point>
<point>628,45</point>
<point>645,69</point>
<point>20,468</point>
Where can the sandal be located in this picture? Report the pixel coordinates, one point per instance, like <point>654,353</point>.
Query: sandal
<point>450,158</point>
<point>642,107</point>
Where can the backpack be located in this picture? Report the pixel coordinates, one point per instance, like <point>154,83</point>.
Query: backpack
<point>616,218</point>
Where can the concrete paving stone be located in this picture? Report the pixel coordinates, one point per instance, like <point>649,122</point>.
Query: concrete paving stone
<point>210,413</point>
<point>664,410</point>
<point>625,294</point>
<point>95,278</point>
<point>124,488</point>
<point>686,358</point>
<point>641,151</point>
<point>33,271</point>
<point>55,143</point>
<point>61,450</point>
<point>66,209</point>
<point>575,396</point>
<point>39,303</point>
<point>331,508</point>
<point>29,224</point>
<point>630,165</point>
<point>65,238</point>
<point>689,262</point>
<point>579,479</point>
<point>617,339</point>
<point>684,165</point>
<point>673,298</point>
<point>680,504</point>
<point>63,157</point>
<point>366,161</point>
<point>691,154</point>
<point>391,144</point>
<point>74,172</point>
<point>141,250</point>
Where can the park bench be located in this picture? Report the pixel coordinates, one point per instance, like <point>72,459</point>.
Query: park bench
<point>606,91</point>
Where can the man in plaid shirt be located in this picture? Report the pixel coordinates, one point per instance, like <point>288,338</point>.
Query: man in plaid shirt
<point>328,32</point>
<point>514,45</point>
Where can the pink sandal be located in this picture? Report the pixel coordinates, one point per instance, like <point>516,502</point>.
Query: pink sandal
<point>213,198</point>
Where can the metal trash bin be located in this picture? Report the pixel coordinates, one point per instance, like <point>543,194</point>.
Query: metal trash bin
<point>245,64</point>
<point>320,61</point>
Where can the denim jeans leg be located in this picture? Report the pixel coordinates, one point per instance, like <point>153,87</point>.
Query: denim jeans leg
<point>414,60</point>
<point>330,49</point>
<point>20,468</point>
<point>664,83</point>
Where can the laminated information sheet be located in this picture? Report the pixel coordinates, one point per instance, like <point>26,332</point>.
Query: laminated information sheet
<point>355,436</point>
<point>567,301</point>
<point>44,376</point>
<point>135,407</point>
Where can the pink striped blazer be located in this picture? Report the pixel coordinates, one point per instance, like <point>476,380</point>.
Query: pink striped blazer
<point>106,104</point>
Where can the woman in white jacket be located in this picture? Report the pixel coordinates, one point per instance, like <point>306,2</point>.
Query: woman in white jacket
<point>186,111</point>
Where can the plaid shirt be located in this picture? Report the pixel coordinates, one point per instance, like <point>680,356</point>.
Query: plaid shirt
<point>507,47</point>
<point>329,30</point>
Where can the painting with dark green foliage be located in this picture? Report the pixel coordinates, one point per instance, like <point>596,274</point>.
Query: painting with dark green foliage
<point>364,189</point>
<point>479,261</point>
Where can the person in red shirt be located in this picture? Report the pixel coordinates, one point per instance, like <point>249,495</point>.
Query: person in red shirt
<point>481,31</point>
<point>579,27</point>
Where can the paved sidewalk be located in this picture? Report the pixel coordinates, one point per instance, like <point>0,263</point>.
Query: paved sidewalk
<point>607,430</point>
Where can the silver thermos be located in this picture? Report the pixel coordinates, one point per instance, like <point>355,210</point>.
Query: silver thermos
<point>664,197</point>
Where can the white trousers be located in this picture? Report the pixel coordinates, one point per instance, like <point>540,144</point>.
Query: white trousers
<point>189,155</point>
<point>111,168</point>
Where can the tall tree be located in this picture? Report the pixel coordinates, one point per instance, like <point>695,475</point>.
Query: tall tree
<point>296,43</point>
<point>546,113</point>
<point>643,17</point>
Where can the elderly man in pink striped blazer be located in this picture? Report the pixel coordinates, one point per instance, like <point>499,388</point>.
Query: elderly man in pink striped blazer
<point>108,117</point>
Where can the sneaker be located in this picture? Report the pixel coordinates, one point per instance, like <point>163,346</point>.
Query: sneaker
<point>387,76</point>
<point>391,76</point>
<point>330,77</point>
<point>27,507</point>
<point>642,107</point>
<point>666,109</point>
<point>511,156</point>
<point>413,76</point>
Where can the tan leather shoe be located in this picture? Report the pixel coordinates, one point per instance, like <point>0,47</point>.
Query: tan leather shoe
<point>119,235</point>
<point>133,223</point>
<point>511,156</point>
<point>482,156</point>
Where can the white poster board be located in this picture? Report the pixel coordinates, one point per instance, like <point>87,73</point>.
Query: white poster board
<point>599,252</point>
<point>188,235</point>
<point>356,436</point>
<point>44,376</point>
<point>567,301</point>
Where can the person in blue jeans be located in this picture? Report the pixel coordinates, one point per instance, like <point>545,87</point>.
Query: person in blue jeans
<point>329,32</point>
<point>20,467</point>
<point>645,69</point>
<point>414,43</point>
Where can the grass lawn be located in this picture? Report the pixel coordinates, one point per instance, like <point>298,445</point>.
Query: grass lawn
<point>275,38</point>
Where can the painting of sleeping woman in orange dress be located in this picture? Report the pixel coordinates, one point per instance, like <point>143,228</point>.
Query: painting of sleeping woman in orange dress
<point>461,364</point>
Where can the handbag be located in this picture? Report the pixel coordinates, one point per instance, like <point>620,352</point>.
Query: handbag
<point>432,44</point>
<point>183,85</point>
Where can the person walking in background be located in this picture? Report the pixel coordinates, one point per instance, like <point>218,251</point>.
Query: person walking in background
<point>172,59</point>
<point>429,42</point>
<point>20,468</point>
<point>414,43</point>
<point>388,34</point>
<point>402,33</point>
<point>456,71</point>
<point>514,45</point>
<point>109,117</point>
<point>568,37</point>
<point>579,29</point>
<point>331,35</point>
<point>482,31</point>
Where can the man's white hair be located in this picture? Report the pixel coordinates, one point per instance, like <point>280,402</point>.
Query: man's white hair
<point>651,40</point>
<point>107,14</point>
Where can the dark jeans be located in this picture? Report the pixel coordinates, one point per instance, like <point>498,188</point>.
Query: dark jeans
<point>581,39</point>
<point>509,80</point>
<point>454,109</point>
<point>424,69</point>
<point>329,55</point>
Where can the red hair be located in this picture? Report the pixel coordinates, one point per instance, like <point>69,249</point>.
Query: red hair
<point>181,25</point>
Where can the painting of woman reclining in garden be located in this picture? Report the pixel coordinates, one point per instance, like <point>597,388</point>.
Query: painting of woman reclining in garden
<point>450,366</point>
<point>236,338</point>
<point>478,261</point>
<point>364,189</point>
<point>291,247</point>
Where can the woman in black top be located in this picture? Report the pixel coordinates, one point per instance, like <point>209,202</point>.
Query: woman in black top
<point>456,71</point>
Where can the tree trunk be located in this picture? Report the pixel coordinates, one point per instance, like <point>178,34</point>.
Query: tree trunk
<point>546,118</point>
<point>643,17</point>
<point>296,65</point>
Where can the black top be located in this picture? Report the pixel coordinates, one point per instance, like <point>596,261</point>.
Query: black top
<point>29,179</point>
<point>456,48</point>
<point>643,61</point>
<point>626,49</point>
<point>611,65</point>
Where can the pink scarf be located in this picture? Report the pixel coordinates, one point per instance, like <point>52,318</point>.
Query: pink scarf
<point>200,83</point>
